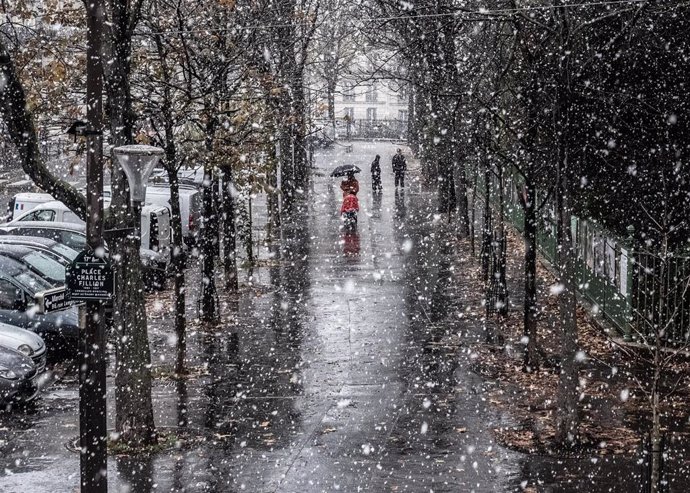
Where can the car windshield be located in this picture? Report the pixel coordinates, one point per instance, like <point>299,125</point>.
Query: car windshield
<point>64,251</point>
<point>45,265</point>
<point>33,283</point>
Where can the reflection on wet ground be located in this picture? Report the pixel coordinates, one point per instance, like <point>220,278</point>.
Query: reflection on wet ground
<point>334,374</point>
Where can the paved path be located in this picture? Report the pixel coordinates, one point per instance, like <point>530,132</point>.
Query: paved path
<point>341,385</point>
<point>335,375</point>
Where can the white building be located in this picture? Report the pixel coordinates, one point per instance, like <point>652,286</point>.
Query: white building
<point>370,101</point>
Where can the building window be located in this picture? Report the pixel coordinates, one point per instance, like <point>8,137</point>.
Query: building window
<point>371,114</point>
<point>402,115</point>
<point>349,114</point>
<point>372,93</point>
<point>348,92</point>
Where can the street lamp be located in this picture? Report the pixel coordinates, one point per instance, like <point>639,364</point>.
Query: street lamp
<point>137,161</point>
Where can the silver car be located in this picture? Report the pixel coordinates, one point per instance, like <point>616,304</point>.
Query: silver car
<point>25,342</point>
<point>18,377</point>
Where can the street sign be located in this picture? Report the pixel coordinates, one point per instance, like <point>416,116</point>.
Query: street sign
<point>89,277</point>
<point>52,300</point>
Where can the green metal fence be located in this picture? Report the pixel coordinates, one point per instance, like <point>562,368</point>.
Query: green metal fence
<point>635,290</point>
<point>661,296</point>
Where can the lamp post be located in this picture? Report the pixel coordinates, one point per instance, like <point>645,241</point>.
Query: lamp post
<point>137,161</point>
<point>93,438</point>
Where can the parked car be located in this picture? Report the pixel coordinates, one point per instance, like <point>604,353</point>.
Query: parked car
<point>155,223</point>
<point>38,262</point>
<point>18,289</point>
<point>186,176</point>
<point>53,210</point>
<point>155,229</point>
<point>26,201</point>
<point>73,235</point>
<point>190,206</point>
<point>58,251</point>
<point>18,376</point>
<point>25,342</point>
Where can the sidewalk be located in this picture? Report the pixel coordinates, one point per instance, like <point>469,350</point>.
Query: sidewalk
<point>336,369</point>
<point>612,406</point>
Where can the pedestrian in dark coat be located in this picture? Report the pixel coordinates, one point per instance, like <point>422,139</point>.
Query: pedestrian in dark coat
<point>399,168</point>
<point>376,174</point>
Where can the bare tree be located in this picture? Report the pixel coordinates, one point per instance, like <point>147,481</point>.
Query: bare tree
<point>134,409</point>
<point>163,99</point>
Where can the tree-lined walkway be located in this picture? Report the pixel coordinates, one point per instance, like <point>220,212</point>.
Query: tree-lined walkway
<point>341,370</point>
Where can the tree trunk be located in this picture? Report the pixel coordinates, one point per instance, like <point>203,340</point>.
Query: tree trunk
<point>487,230</point>
<point>301,171</point>
<point>567,422</point>
<point>330,95</point>
<point>568,418</point>
<point>272,197</point>
<point>22,132</point>
<point>462,202</point>
<point>531,361</point>
<point>655,436</point>
<point>230,236</point>
<point>473,212</point>
<point>209,236</point>
<point>502,298</point>
<point>134,410</point>
<point>287,166</point>
<point>412,137</point>
<point>249,236</point>
<point>178,254</point>
<point>659,324</point>
<point>447,200</point>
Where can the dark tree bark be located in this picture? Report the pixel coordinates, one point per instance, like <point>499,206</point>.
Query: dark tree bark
<point>171,165</point>
<point>568,417</point>
<point>22,132</point>
<point>178,254</point>
<point>487,229</point>
<point>134,410</point>
<point>287,167</point>
<point>567,421</point>
<point>500,248</point>
<point>463,220</point>
<point>330,97</point>
<point>412,137</point>
<point>447,200</point>
<point>531,361</point>
<point>134,418</point>
<point>230,232</point>
<point>209,235</point>
<point>300,139</point>
<point>272,196</point>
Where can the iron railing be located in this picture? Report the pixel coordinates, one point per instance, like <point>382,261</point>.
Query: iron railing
<point>638,291</point>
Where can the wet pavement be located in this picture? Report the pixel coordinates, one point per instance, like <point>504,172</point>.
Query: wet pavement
<point>345,366</point>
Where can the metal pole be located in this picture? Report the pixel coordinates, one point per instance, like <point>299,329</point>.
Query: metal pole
<point>93,436</point>
<point>136,212</point>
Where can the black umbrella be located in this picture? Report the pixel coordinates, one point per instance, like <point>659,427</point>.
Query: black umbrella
<point>345,169</point>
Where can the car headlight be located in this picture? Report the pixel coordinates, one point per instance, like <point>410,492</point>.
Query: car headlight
<point>7,374</point>
<point>25,349</point>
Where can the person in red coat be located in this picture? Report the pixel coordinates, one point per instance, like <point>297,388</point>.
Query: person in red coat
<point>350,186</point>
<point>350,206</point>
